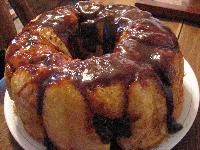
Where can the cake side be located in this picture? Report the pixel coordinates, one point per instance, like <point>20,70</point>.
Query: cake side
<point>130,69</point>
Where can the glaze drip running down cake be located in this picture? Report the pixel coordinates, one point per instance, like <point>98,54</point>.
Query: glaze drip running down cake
<point>95,77</point>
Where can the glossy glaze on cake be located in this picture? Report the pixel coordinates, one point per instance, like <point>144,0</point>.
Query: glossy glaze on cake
<point>105,46</point>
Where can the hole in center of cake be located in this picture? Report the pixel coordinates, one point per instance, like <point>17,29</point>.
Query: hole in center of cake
<point>93,38</point>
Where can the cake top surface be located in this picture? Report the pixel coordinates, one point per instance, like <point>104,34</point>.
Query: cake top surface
<point>128,36</point>
<point>105,45</point>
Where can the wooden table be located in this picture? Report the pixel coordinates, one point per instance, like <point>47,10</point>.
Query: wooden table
<point>189,40</point>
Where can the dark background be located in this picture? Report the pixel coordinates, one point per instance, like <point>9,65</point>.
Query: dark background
<point>2,54</point>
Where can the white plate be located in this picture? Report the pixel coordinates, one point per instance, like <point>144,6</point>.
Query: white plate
<point>190,108</point>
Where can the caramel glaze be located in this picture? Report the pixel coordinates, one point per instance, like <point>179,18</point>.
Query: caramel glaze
<point>135,46</point>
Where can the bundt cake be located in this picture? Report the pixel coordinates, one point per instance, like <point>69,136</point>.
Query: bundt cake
<point>95,77</point>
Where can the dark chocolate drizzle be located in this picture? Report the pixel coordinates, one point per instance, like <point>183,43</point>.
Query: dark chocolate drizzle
<point>108,35</point>
<point>41,93</point>
<point>172,125</point>
<point>114,145</point>
<point>108,129</point>
<point>143,50</point>
<point>49,145</point>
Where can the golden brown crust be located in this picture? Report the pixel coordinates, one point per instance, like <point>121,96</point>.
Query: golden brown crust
<point>108,101</point>
<point>62,98</point>
<point>147,110</point>
<point>177,81</point>
<point>24,91</point>
<point>58,97</point>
